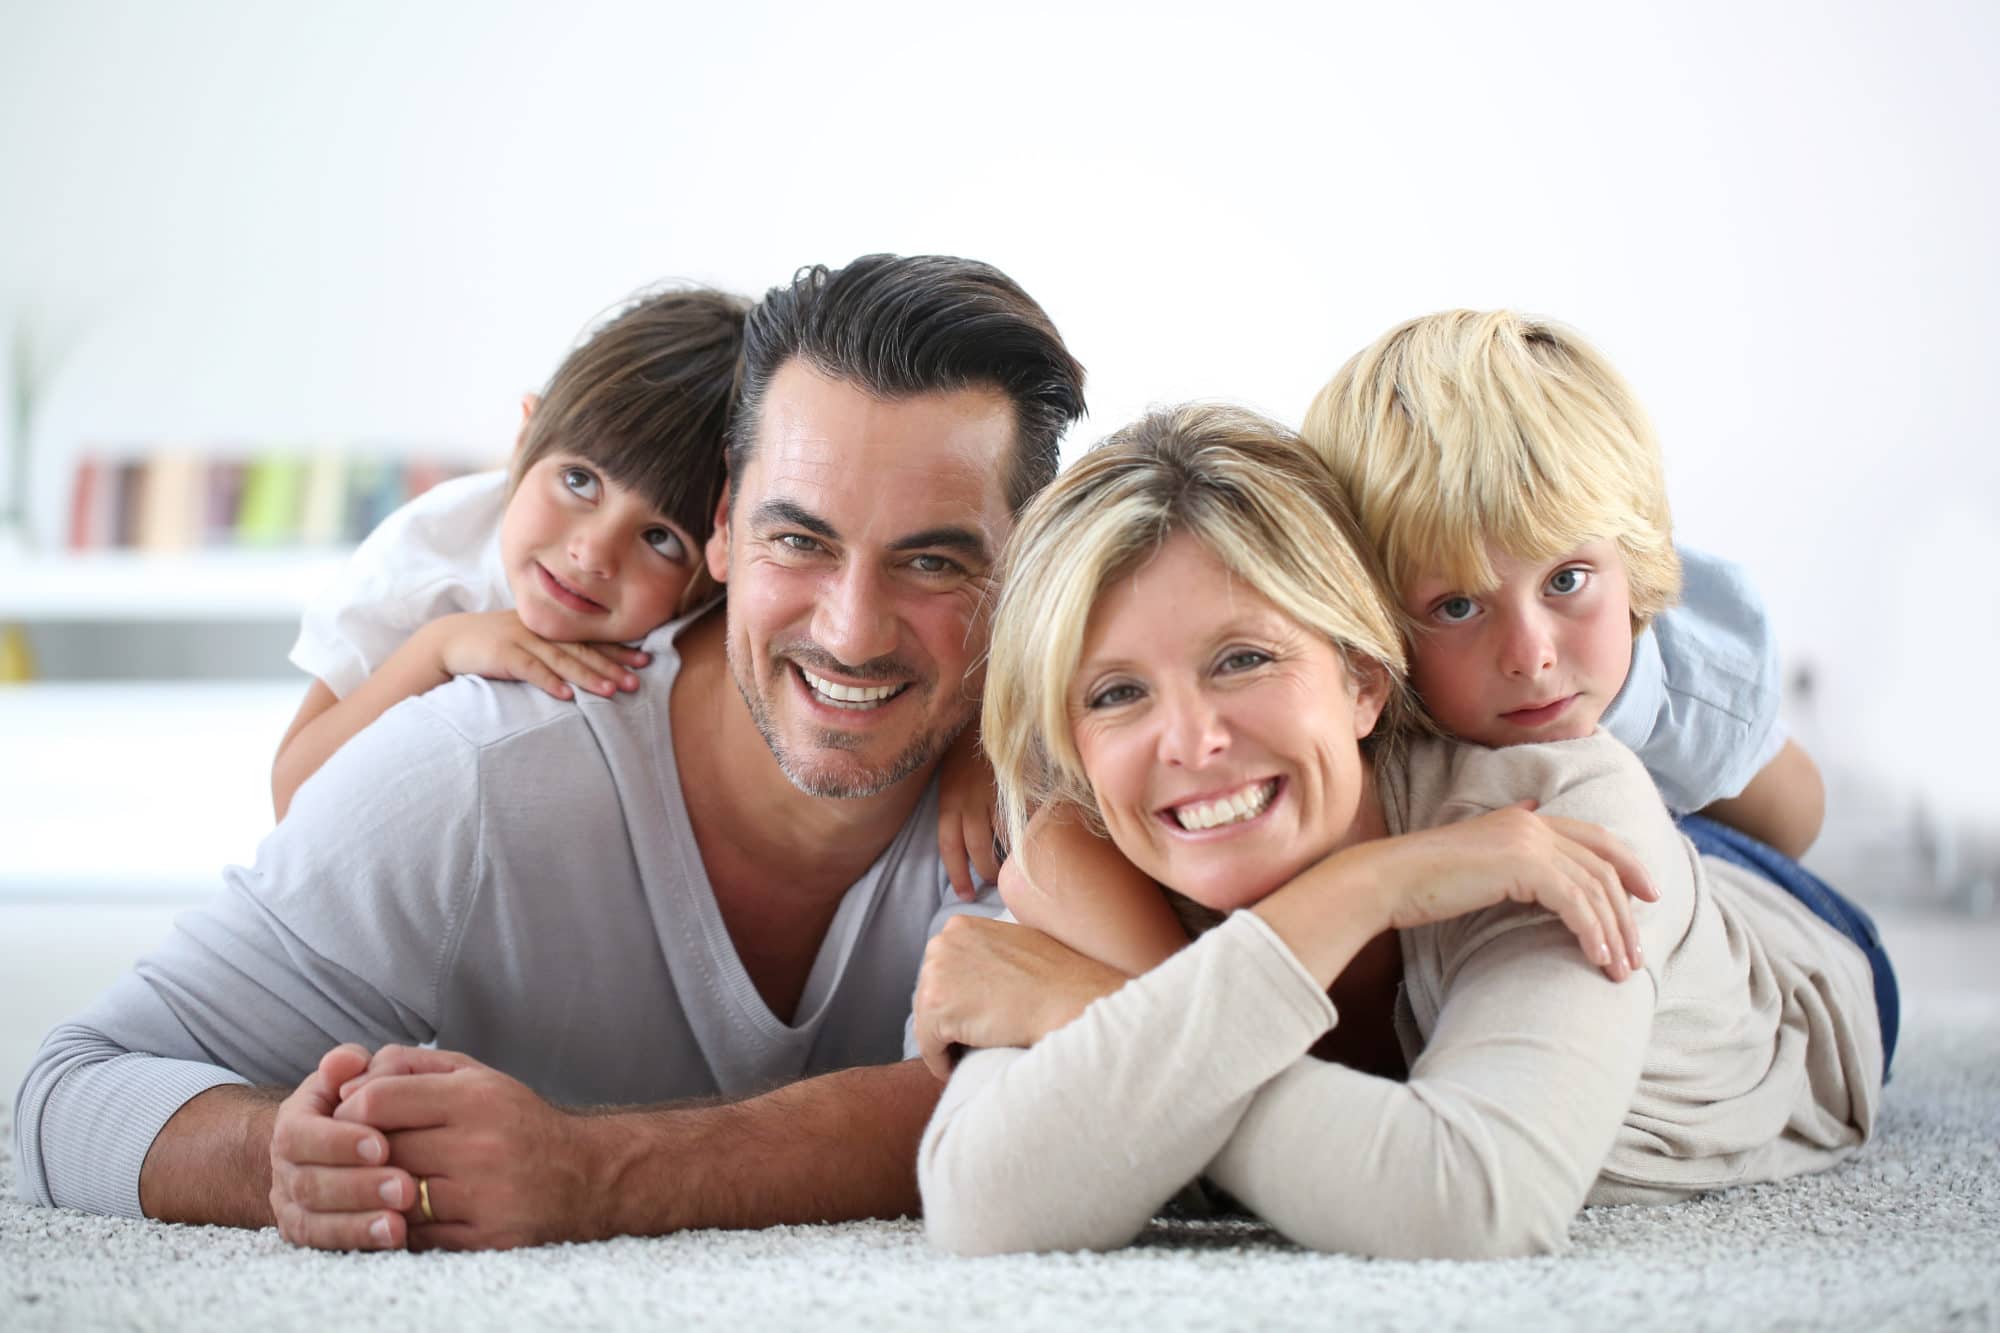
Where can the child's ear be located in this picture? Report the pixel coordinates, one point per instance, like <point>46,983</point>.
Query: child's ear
<point>717,548</point>
<point>1371,695</point>
<point>529,402</point>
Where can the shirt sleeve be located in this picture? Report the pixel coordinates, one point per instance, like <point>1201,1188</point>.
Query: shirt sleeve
<point>1076,1142</point>
<point>428,559</point>
<point>1490,1147</point>
<point>985,902</point>
<point>343,930</point>
<point>1700,705</point>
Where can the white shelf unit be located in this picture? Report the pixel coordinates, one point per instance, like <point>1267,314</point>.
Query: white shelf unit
<point>142,788</point>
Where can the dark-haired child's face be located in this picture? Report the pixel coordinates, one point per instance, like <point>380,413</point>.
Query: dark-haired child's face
<point>589,560</point>
<point>1537,658</point>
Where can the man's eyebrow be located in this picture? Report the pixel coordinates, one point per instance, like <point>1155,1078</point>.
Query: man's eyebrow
<point>783,513</point>
<point>963,540</point>
<point>950,537</point>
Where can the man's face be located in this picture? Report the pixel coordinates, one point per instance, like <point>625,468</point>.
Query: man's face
<point>857,546</point>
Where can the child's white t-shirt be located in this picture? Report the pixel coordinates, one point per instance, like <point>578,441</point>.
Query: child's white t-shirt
<point>437,555</point>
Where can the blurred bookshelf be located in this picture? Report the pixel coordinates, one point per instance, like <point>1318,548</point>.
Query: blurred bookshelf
<point>173,563</point>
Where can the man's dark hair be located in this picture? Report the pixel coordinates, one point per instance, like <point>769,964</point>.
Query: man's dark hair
<point>898,326</point>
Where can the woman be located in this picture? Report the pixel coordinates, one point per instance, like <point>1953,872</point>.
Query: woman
<point>1192,648</point>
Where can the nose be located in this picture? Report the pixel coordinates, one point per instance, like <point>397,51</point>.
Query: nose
<point>1527,647</point>
<point>593,548</point>
<point>853,618</point>
<point>1192,731</point>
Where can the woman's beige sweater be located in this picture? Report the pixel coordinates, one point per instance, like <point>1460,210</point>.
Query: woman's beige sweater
<point>1749,1049</point>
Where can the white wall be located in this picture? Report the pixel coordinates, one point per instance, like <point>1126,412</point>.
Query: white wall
<point>390,219</point>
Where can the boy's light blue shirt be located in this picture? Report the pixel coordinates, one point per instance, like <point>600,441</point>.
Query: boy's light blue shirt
<point>1700,706</point>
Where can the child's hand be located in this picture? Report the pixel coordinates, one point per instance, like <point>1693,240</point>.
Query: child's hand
<point>496,645</point>
<point>965,815</point>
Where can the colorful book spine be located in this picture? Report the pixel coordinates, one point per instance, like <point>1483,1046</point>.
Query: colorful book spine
<point>181,499</point>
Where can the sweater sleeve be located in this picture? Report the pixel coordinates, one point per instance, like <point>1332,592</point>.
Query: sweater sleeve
<point>341,931</point>
<point>1077,1142</point>
<point>1489,1148</point>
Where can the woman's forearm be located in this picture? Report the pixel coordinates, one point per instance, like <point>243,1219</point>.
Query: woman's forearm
<point>1077,1142</point>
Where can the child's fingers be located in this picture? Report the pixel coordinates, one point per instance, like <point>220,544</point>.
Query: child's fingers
<point>951,847</point>
<point>523,665</point>
<point>985,854</point>
<point>559,658</point>
<point>582,664</point>
<point>597,657</point>
<point>624,655</point>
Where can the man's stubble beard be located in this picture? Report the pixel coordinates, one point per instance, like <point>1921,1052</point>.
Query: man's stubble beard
<point>923,748</point>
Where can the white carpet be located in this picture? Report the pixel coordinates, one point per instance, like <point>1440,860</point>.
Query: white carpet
<point>1905,1236</point>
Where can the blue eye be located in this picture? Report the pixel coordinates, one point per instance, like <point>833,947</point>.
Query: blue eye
<point>667,542</point>
<point>1568,582</point>
<point>581,482</point>
<point>1455,610</point>
<point>1244,659</point>
<point>933,564</point>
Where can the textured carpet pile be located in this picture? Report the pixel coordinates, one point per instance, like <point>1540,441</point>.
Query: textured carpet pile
<point>1905,1235</point>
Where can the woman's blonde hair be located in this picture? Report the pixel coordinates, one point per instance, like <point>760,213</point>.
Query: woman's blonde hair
<point>1252,493</point>
<point>1473,426</point>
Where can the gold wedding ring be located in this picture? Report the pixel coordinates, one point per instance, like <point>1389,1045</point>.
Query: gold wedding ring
<point>424,1199</point>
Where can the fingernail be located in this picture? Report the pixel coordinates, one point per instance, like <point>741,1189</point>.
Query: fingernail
<point>379,1230</point>
<point>370,1150</point>
<point>392,1193</point>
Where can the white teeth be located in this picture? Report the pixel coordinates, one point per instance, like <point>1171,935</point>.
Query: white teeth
<point>1231,809</point>
<point>848,696</point>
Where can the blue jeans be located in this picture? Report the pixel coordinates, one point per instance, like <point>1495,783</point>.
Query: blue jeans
<point>1820,898</point>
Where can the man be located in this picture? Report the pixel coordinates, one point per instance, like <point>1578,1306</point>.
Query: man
<point>717,887</point>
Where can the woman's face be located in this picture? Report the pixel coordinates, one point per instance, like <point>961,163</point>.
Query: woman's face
<point>1221,738</point>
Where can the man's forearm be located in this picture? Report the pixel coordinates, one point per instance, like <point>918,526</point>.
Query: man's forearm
<point>828,1149</point>
<point>211,1163</point>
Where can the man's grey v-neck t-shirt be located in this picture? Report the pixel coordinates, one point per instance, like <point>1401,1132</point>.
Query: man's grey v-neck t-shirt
<point>501,873</point>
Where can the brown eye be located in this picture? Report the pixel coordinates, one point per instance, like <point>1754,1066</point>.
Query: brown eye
<point>581,482</point>
<point>667,542</point>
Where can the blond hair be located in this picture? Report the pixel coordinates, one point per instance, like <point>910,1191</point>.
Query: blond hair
<point>1252,493</point>
<point>1473,426</point>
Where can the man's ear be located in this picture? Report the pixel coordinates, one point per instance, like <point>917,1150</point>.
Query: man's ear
<point>1371,695</point>
<point>717,548</point>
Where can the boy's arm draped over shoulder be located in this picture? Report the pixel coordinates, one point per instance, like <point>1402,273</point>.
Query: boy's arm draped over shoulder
<point>341,931</point>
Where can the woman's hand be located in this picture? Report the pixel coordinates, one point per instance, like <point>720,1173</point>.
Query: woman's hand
<point>1575,869</point>
<point>496,645</point>
<point>965,814</point>
<point>992,983</point>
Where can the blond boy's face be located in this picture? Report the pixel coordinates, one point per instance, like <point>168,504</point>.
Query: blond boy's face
<point>1538,658</point>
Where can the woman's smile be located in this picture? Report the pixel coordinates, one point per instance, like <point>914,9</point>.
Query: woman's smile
<point>1230,810</point>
